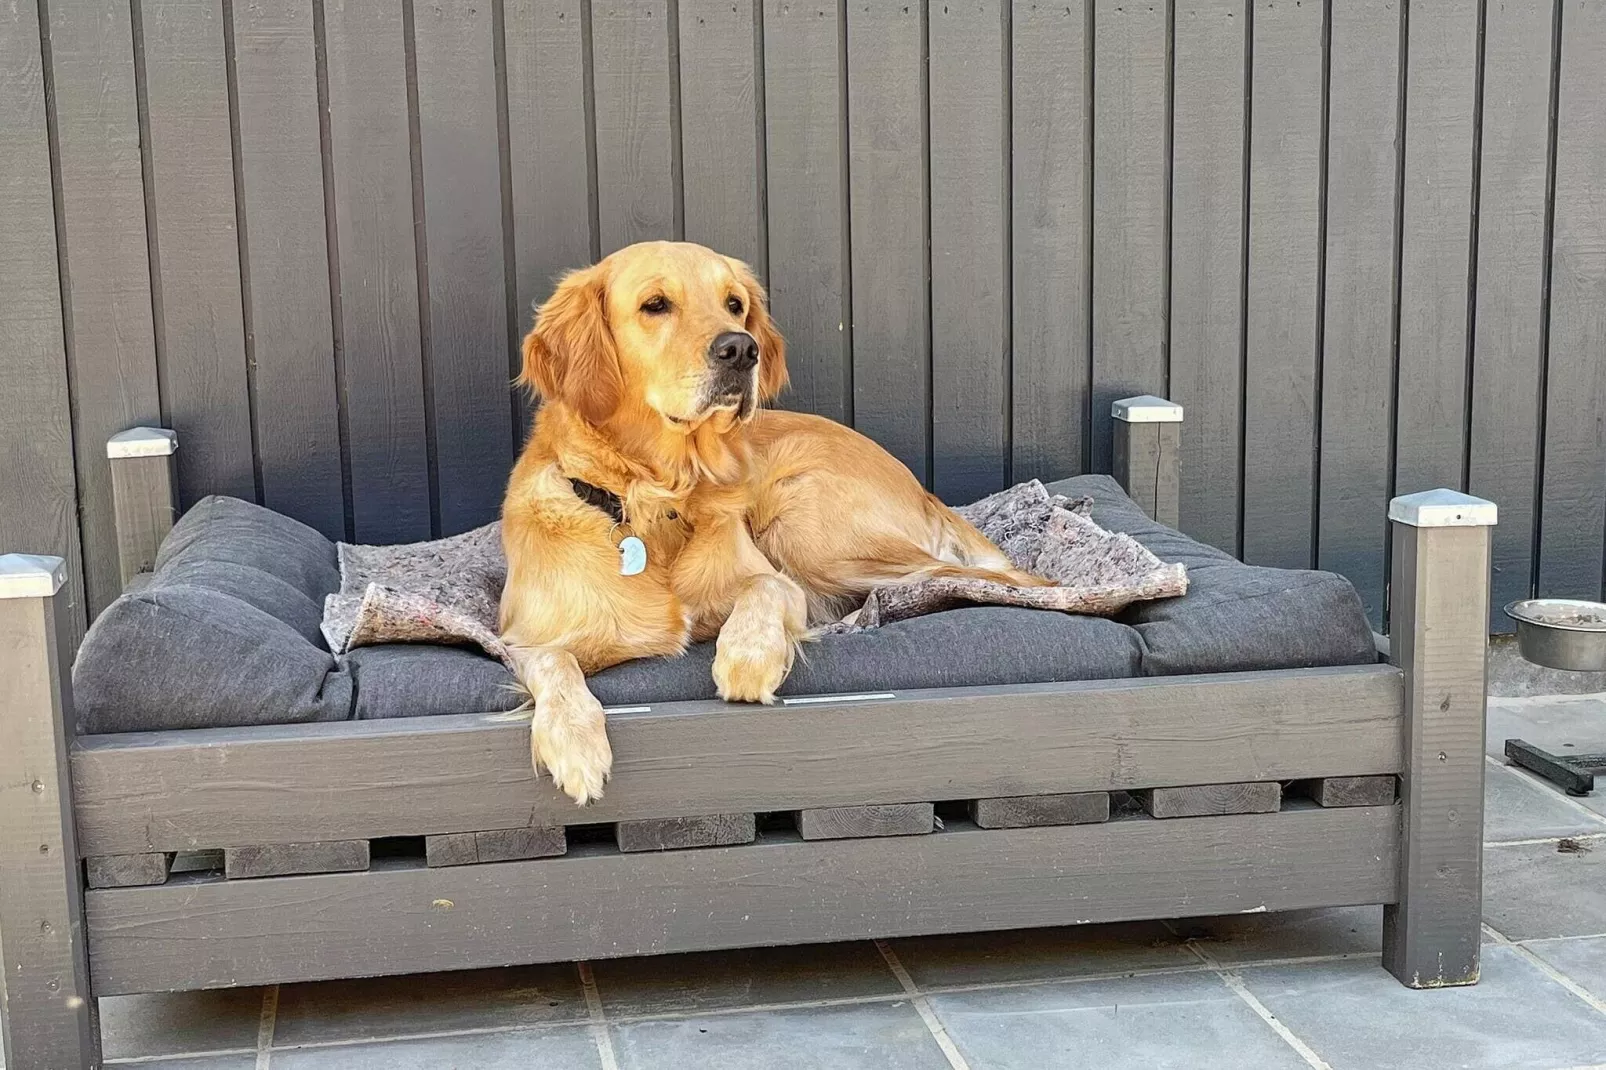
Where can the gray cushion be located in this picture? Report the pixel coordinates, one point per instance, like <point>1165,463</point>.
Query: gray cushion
<point>225,632</point>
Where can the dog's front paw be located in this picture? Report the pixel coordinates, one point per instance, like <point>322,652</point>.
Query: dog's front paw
<point>569,739</point>
<point>749,664</point>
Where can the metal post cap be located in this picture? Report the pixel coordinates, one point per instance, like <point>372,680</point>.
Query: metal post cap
<point>1147,409</point>
<point>31,575</point>
<point>1443,508</point>
<point>142,442</point>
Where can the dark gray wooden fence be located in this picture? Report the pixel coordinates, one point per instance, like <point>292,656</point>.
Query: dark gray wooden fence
<point>1362,241</point>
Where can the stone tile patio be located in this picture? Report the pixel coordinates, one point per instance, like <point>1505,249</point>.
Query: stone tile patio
<point>1261,991</point>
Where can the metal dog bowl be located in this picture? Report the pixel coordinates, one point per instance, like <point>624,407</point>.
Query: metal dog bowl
<point>1561,633</point>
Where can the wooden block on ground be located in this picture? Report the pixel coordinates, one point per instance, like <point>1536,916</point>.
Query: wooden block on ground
<point>1350,790</point>
<point>128,871</point>
<point>1030,811</point>
<point>1205,800</point>
<point>673,833</point>
<point>852,822</point>
<point>497,845</point>
<point>285,859</point>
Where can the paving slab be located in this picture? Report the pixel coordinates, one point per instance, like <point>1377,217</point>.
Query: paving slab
<point>1040,954</point>
<point>1242,938</point>
<point>1535,891</point>
<point>559,1048</point>
<point>866,1036</point>
<point>176,1023</point>
<point>1519,806</point>
<point>1582,960</point>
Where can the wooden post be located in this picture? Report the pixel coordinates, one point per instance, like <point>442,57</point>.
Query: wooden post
<point>1439,597</point>
<point>1147,460</point>
<point>50,1021</point>
<point>144,498</point>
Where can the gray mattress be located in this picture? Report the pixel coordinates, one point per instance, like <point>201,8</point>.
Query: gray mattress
<point>225,632</point>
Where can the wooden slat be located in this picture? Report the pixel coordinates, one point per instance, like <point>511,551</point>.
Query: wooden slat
<point>1358,330</point>
<point>1207,231</point>
<point>969,218</point>
<point>1574,494</point>
<point>1285,159</point>
<point>1051,95</point>
<point>1350,790</point>
<point>366,779</point>
<point>888,197</point>
<point>128,871</point>
<point>548,161</point>
<point>779,891</point>
<point>804,94</point>
<point>145,504</point>
<point>499,845</point>
<point>383,388</point>
<point>1032,811</point>
<point>1506,371</point>
<point>1148,465</point>
<point>38,496</point>
<point>285,859</point>
<point>1439,617</point>
<point>636,192</point>
<point>677,833</point>
<point>858,822</point>
<point>110,335</point>
<point>196,250</point>
<point>52,1019</point>
<point>291,327</point>
<point>1204,800</point>
<point>719,127</point>
<point>458,144</point>
<point>1441,77</point>
<point>1129,208</point>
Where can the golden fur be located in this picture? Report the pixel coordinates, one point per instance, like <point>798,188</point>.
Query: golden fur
<point>757,523</point>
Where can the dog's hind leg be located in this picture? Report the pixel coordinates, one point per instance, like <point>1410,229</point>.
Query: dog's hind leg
<point>568,734</point>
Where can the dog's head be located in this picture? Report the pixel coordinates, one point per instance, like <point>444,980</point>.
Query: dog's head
<point>669,326</point>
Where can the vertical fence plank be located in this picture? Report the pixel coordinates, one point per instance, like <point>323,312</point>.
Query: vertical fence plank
<point>548,161</point>
<point>286,250</point>
<point>1441,74</point>
<point>462,171</point>
<point>1285,148</point>
<point>1358,330</point>
<point>719,127</point>
<point>1506,340</point>
<point>886,148</point>
<point>111,347</point>
<point>201,328</point>
<point>969,213</point>
<point>1049,156</point>
<point>635,149</point>
<point>38,491</point>
<point>383,390</point>
<point>1129,208</point>
<point>803,113</point>
<point>1207,234</point>
<point>1574,504</point>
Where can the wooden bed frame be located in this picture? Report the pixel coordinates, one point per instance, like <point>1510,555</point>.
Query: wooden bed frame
<point>387,847</point>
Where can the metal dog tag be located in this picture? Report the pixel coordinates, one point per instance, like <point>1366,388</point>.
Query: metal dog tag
<point>632,556</point>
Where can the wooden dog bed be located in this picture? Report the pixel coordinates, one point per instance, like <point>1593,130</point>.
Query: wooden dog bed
<point>215,857</point>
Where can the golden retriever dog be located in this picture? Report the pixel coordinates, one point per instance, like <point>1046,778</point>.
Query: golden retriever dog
<point>657,504</point>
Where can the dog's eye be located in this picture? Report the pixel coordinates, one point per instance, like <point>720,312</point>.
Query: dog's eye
<point>655,306</point>
<point>734,304</point>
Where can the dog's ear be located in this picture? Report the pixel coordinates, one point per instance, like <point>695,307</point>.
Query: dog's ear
<point>569,355</point>
<point>772,375</point>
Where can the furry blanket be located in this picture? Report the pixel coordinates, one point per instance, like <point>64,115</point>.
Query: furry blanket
<point>446,591</point>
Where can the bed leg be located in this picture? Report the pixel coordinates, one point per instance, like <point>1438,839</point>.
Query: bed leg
<point>51,1021</point>
<point>1147,459</point>
<point>1439,611</point>
<point>144,501</point>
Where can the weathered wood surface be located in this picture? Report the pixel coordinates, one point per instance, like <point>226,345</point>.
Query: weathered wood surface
<point>284,859</point>
<point>498,845</point>
<point>1203,800</point>
<point>1432,937</point>
<point>596,903</point>
<point>1030,811</point>
<point>51,1015</point>
<point>366,779</point>
<point>1147,462</point>
<point>855,822</point>
<point>145,499</point>
<point>1350,790</point>
<point>126,871</point>
<point>675,833</point>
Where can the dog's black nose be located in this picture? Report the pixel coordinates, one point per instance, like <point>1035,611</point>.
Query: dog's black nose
<point>735,350</point>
